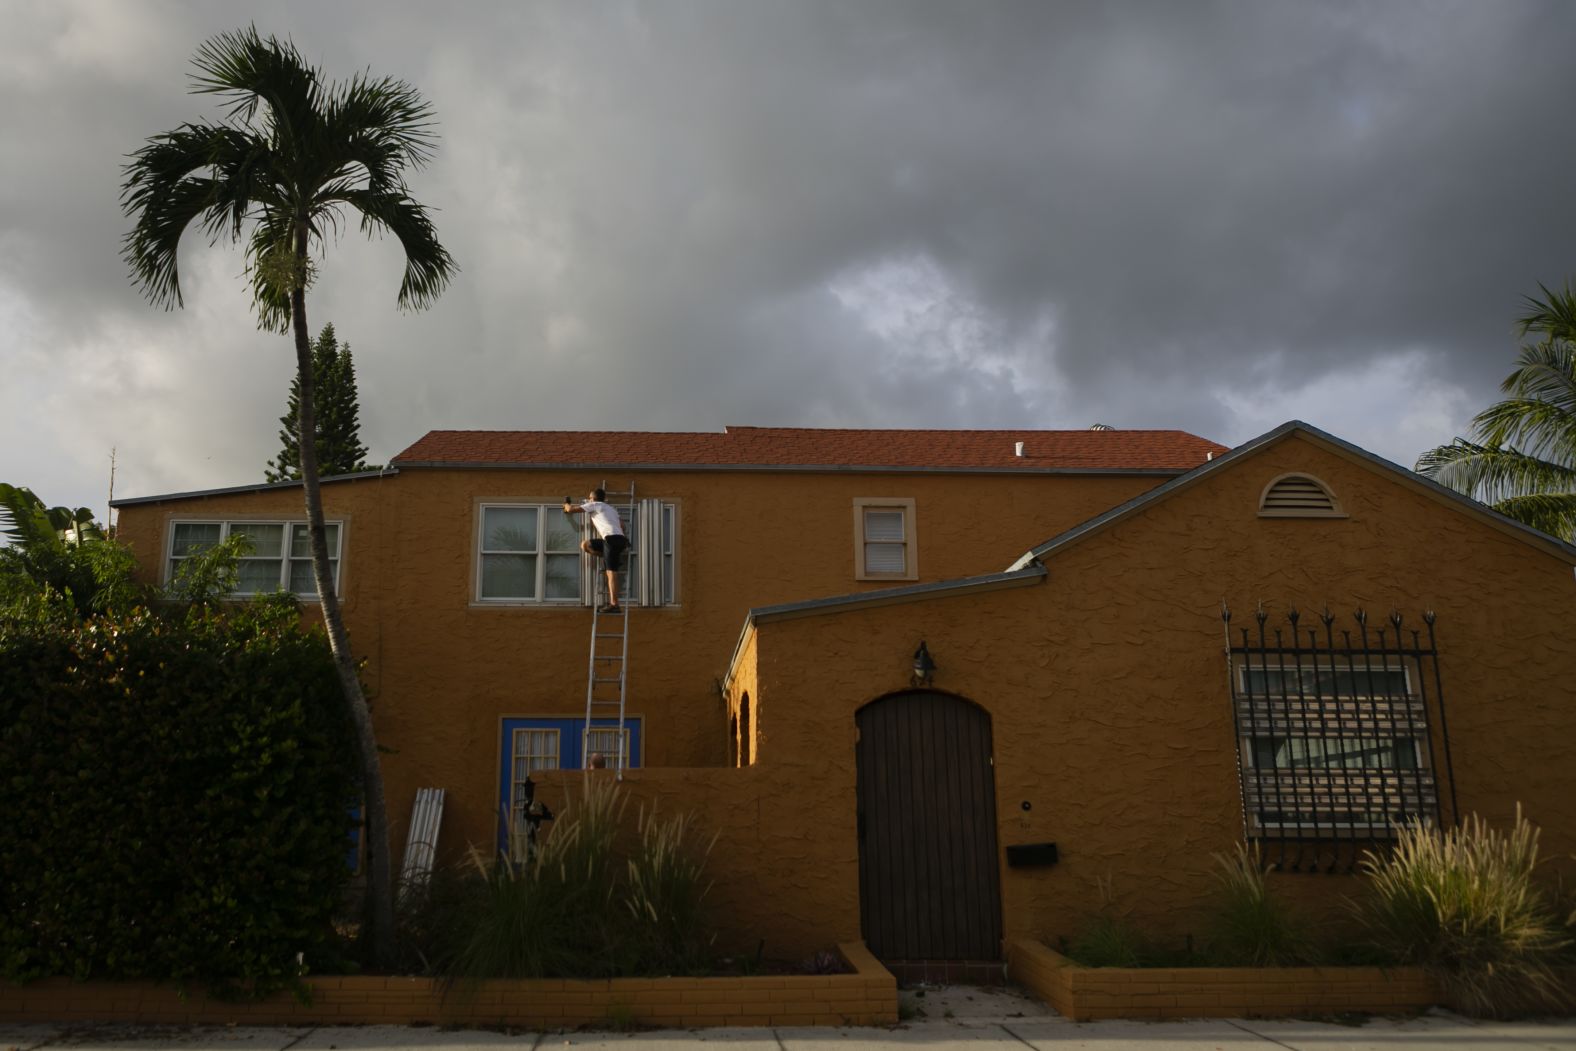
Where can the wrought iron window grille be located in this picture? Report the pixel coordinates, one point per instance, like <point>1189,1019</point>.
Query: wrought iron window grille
<point>1341,735</point>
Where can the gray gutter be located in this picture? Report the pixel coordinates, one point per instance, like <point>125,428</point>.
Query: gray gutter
<point>1151,472</point>
<point>882,597</point>
<point>1338,445</point>
<point>261,487</point>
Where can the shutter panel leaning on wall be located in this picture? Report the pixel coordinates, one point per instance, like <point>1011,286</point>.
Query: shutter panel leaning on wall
<point>650,541</point>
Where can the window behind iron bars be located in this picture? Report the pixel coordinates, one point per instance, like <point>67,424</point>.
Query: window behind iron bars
<point>1333,744</point>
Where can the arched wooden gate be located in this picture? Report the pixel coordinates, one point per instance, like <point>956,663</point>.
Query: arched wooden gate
<point>929,884</point>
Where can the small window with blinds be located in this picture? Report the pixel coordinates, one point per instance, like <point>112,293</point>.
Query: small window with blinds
<point>884,543</point>
<point>1298,496</point>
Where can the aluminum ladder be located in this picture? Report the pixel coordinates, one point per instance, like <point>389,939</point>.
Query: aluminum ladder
<point>607,680</point>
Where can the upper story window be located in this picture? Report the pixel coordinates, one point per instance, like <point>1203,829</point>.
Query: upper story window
<point>529,554</point>
<point>1298,496</point>
<point>281,557</point>
<point>884,540</point>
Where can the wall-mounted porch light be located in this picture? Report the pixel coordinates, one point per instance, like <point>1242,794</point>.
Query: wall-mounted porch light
<point>924,667</point>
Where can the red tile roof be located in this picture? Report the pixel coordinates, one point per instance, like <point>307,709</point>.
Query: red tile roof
<point>788,447</point>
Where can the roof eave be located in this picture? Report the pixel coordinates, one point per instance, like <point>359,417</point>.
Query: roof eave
<point>260,487</point>
<point>483,465</point>
<point>882,597</point>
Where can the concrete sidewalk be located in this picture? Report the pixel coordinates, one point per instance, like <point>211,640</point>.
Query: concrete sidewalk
<point>939,1020</point>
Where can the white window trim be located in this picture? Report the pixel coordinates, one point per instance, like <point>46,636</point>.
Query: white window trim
<point>910,536</point>
<point>337,555</point>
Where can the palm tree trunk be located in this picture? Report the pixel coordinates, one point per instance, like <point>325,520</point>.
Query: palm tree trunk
<point>380,897</point>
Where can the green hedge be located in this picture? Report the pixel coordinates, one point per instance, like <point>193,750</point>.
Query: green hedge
<point>174,797</point>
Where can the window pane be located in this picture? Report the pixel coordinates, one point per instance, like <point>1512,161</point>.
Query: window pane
<point>268,541</point>
<point>259,574</point>
<point>563,576</point>
<point>604,740</point>
<point>534,750</point>
<point>884,558</point>
<point>883,525</point>
<point>301,545</point>
<point>192,538</point>
<point>508,576</point>
<point>509,529</point>
<point>301,581</point>
<point>563,531</point>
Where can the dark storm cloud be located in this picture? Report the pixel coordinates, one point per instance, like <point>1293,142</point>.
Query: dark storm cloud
<point>672,215</point>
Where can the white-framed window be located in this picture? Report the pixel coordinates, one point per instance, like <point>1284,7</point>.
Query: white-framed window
<point>1333,747</point>
<point>885,546</point>
<point>528,553</point>
<point>281,556</point>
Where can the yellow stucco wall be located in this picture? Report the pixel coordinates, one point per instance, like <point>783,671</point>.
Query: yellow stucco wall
<point>1108,689</point>
<point>444,671</point>
<point>1106,681</point>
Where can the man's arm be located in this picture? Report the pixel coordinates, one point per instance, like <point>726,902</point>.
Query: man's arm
<point>573,509</point>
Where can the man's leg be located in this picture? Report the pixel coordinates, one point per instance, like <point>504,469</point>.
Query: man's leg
<point>612,588</point>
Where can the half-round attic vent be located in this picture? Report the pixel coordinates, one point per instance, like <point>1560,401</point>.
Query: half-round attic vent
<point>1298,496</point>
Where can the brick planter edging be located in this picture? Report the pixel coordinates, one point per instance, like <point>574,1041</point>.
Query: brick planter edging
<point>866,997</point>
<point>1088,993</point>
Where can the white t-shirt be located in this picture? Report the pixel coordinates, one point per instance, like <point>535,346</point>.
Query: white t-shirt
<point>604,518</point>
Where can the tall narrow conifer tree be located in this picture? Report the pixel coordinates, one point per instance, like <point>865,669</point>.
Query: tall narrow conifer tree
<point>339,448</point>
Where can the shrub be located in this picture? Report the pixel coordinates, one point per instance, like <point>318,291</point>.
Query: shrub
<point>1462,903</point>
<point>176,796</point>
<point>1249,926</point>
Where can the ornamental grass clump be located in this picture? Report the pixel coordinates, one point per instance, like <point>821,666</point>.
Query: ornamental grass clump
<point>544,911</point>
<point>1462,903</point>
<point>584,904</point>
<point>665,893</point>
<point>1251,927</point>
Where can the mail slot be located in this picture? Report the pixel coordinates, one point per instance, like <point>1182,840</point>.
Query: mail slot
<point>1028,855</point>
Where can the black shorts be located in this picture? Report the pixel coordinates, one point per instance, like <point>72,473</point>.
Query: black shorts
<point>612,550</point>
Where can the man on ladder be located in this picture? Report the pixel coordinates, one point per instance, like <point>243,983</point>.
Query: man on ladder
<point>610,543</point>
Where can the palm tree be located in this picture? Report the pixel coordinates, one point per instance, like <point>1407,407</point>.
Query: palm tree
<point>1521,458</point>
<point>292,154</point>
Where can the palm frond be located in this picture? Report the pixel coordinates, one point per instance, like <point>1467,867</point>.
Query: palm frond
<point>384,125</point>
<point>428,265</point>
<point>1536,427</point>
<point>1545,371</point>
<point>250,71</point>
<point>1553,513</point>
<point>1492,473</point>
<point>164,193</point>
<point>1554,315</point>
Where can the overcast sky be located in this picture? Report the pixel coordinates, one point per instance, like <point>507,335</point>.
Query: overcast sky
<point>676,216</point>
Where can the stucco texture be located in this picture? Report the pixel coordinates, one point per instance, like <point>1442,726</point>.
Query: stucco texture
<point>443,671</point>
<point>1108,689</point>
